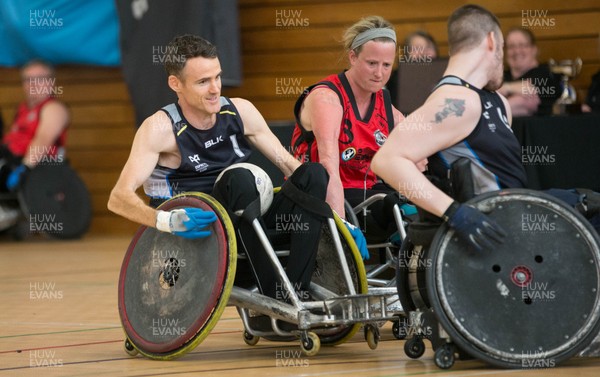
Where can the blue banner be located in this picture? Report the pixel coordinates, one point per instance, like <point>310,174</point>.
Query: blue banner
<point>59,31</point>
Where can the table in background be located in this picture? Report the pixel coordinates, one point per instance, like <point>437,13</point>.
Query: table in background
<point>560,151</point>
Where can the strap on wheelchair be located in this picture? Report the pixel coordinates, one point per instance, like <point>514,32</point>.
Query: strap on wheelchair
<point>306,201</point>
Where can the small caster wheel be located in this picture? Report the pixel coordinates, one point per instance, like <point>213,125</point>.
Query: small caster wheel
<point>414,348</point>
<point>400,328</point>
<point>444,356</point>
<point>250,339</point>
<point>372,336</point>
<point>310,343</point>
<point>129,348</point>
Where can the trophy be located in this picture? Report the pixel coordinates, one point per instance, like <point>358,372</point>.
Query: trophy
<point>567,69</point>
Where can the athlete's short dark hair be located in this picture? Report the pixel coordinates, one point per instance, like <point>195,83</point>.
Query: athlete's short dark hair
<point>185,47</point>
<point>468,25</point>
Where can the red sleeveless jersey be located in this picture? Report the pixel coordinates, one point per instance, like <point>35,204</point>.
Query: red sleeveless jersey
<point>359,138</point>
<point>24,127</point>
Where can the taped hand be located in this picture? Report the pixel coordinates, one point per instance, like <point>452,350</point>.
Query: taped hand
<point>186,222</point>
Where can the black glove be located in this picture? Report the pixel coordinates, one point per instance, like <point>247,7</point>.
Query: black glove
<point>473,226</point>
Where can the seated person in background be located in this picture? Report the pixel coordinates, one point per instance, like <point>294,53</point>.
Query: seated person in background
<point>419,47</point>
<point>530,87</point>
<point>39,128</point>
<point>592,100</point>
<point>344,119</point>
<point>184,146</point>
<point>467,118</point>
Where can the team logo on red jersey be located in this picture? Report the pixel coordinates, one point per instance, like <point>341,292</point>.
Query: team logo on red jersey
<point>348,154</point>
<point>380,138</point>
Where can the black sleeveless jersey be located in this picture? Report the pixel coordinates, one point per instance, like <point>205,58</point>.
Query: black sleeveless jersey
<point>204,153</point>
<point>492,147</point>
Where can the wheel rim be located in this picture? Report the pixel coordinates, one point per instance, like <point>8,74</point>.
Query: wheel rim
<point>492,303</point>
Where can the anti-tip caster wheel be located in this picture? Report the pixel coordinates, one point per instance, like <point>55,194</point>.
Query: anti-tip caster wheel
<point>414,348</point>
<point>444,356</point>
<point>129,348</point>
<point>250,339</point>
<point>310,343</point>
<point>372,336</point>
<point>400,328</point>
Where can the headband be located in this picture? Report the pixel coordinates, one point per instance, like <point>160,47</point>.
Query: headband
<point>371,34</point>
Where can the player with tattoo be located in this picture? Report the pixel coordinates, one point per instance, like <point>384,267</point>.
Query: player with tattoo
<point>463,117</point>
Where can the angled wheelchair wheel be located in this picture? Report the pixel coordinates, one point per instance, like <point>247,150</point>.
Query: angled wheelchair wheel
<point>56,201</point>
<point>172,290</point>
<point>532,302</point>
<point>328,275</point>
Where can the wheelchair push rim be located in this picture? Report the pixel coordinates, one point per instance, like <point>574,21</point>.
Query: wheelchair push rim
<point>172,291</point>
<point>533,301</point>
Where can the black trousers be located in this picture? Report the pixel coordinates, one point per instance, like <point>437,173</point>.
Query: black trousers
<point>285,222</point>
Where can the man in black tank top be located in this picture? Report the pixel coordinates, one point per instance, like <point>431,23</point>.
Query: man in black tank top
<point>184,146</point>
<point>463,117</point>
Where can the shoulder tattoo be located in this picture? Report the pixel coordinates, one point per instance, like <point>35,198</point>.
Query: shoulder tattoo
<point>451,106</point>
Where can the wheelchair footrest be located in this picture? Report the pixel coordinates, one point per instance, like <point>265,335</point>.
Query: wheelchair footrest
<point>380,304</point>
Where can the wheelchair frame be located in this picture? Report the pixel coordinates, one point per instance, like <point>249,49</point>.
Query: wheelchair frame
<point>314,319</point>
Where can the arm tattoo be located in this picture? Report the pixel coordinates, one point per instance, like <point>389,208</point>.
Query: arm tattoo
<point>451,106</point>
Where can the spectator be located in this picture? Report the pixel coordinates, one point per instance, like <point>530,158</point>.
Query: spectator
<point>531,88</point>
<point>39,128</point>
<point>419,46</point>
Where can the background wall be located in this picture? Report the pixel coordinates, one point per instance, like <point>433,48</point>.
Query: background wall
<point>288,45</point>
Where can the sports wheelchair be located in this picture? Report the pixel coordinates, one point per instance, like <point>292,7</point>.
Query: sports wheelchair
<point>381,274</point>
<point>53,200</point>
<point>532,302</point>
<point>172,291</point>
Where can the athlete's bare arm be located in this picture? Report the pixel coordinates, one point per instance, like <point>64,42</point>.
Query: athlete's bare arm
<point>154,143</point>
<point>448,116</point>
<point>322,114</point>
<point>54,118</point>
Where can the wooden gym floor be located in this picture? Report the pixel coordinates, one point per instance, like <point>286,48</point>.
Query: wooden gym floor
<point>59,317</point>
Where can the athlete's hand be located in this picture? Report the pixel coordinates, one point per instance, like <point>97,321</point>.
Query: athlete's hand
<point>17,177</point>
<point>186,222</point>
<point>473,226</point>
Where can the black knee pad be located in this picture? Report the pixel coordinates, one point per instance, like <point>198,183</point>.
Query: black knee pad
<point>236,189</point>
<point>311,177</point>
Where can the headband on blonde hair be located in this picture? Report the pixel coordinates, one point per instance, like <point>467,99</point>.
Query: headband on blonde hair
<point>371,34</point>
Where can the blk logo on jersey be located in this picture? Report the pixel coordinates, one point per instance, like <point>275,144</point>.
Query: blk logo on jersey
<point>380,138</point>
<point>348,154</point>
<point>214,141</point>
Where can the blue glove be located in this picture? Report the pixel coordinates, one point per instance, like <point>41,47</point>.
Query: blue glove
<point>473,226</point>
<point>187,222</point>
<point>359,239</point>
<point>16,177</point>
